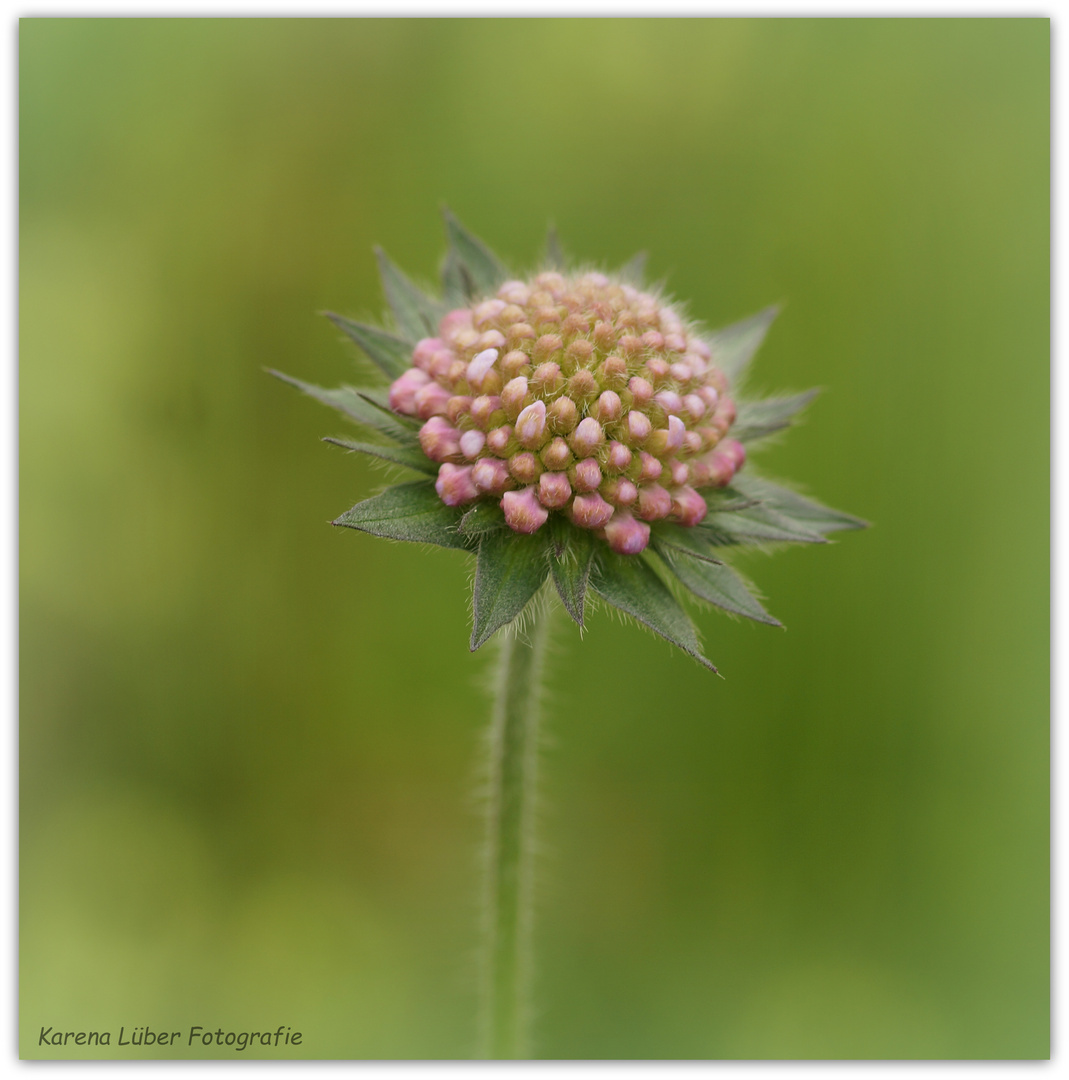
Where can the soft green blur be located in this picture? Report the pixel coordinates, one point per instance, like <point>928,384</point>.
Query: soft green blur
<point>250,742</point>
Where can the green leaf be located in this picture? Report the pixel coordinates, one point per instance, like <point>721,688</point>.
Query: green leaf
<point>357,406</point>
<point>634,270</point>
<point>813,515</point>
<point>759,418</point>
<point>454,284</point>
<point>398,455</point>
<point>482,518</point>
<point>757,524</point>
<point>571,570</point>
<point>407,512</point>
<point>681,538</point>
<point>417,314</point>
<point>391,355</point>
<point>629,583</point>
<point>733,346</point>
<point>510,570</point>
<point>555,259</point>
<point>482,270</point>
<point>717,583</point>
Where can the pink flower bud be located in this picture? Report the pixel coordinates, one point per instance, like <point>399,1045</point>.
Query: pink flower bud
<point>453,322</point>
<point>531,425</point>
<point>681,372</point>
<point>629,345</point>
<point>515,292</point>
<point>608,407</point>
<point>594,279</point>
<point>638,427</point>
<point>582,386</point>
<point>491,339</point>
<point>678,471</point>
<point>675,342</point>
<point>498,439</point>
<point>514,363</point>
<point>653,339</point>
<point>579,351</point>
<point>457,406</point>
<point>554,490</point>
<point>491,475</point>
<point>625,535</point>
<point>736,450</point>
<point>699,346</point>
<point>620,492</point>
<point>641,391</point>
<point>604,335</point>
<point>562,416</point>
<point>430,400</point>
<point>424,350</point>
<point>720,468</point>
<point>692,442</point>
<point>676,431</point>
<point>440,363</point>
<point>556,455</point>
<point>523,512</point>
<point>483,409</point>
<point>487,311</point>
<point>688,507</point>
<point>481,363</point>
<point>403,390</point>
<point>546,378</point>
<point>658,369</point>
<point>619,456</point>
<point>454,485</point>
<point>586,475</point>
<point>694,406</point>
<point>524,467</point>
<point>670,401</point>
<point>439,439</point>
<point>547,345</point>
<point>471,443</point>
<point>587,437</point>
<point>654,502</point>
<point>649,467</point>
<point>590,511</point>
<point>512,396</point>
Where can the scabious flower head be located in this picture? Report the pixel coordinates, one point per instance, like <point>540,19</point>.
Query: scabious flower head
<point>572,426</point>
<point>573,394</point>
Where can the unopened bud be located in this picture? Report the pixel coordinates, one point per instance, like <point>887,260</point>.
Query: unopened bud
<point>471,443</point>
<point>547,345</point>
<point>454,485</point>
<point>512,396</point>
<point>620,491</point>
<point>487,311</point>
<point>579,352</point>
<point>554,490</point>
<point>484,408</point>
<point>590,511</point>
<point>524,467</point>
<point>499,440</point>
<point>641,391</point>
<point>481,363</point>
<point>514,363</point>
<point>587,437</point>
<point>625,535</point>
<point>654,502</point>
<point>430,400</point>
<point>531,425</point>
<point>585,475</point>
<point>515,292</point>
<point>457,406</point>
<point>619,456</point>
<point>649,467</point>
<point>678,471</point>
<point>688,507</point>
<point>490,475</point>
<point>403,390</point>
<point>562,416</point>
<point>424,350</point>
<point>491,339</point>
<point>638,427</point>
<point>523,512</point>
<point>556,455</point>
<point>582,386</point>
<point>438,439</point>
<point>608,407</point>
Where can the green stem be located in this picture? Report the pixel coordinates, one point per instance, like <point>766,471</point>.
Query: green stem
<point>513,778</point>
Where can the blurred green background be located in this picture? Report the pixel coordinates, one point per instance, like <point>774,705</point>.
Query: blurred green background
<point>249,741</point>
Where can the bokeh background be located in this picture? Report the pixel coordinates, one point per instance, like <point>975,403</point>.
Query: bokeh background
<point>249,741</point>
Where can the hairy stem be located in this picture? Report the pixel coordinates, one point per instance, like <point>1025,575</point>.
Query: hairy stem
<point>513,777</point>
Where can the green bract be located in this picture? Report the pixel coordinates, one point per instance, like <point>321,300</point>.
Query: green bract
<point>545,532</point>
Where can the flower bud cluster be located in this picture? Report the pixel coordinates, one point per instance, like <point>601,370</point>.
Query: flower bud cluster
<point>578,395</point>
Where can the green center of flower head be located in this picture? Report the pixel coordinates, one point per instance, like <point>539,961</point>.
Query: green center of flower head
<point>578,395</point>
